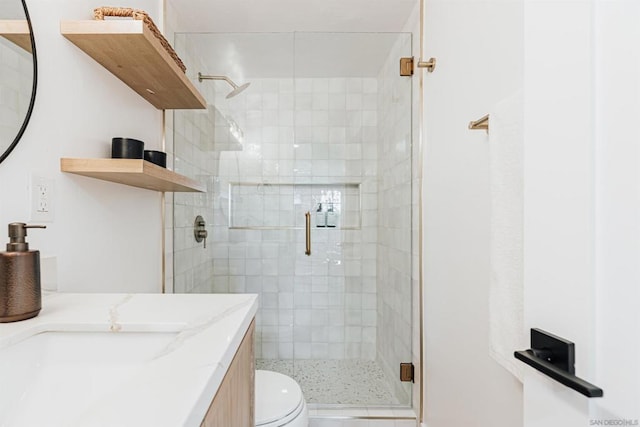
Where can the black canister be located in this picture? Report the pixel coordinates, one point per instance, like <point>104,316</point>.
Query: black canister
<point>156,157</point>
<point>126,148</point>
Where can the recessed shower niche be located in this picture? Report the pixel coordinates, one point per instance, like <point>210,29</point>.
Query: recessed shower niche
<point>283,206</point>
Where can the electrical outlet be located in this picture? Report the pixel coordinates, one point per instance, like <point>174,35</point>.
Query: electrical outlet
<point>42,196</point>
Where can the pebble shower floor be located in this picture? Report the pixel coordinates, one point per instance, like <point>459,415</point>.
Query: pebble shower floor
<point>334,382</point>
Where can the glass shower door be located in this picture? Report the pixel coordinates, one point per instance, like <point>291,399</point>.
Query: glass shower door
<point>324,129</point>
<point>352,174</point>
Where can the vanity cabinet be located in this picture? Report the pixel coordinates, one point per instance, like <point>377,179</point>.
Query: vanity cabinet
<point>233,404</point>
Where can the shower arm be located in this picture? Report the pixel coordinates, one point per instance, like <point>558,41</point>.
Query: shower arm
<point>202,77</point>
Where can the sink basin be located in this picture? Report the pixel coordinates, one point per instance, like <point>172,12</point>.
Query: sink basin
<point>52,373</point>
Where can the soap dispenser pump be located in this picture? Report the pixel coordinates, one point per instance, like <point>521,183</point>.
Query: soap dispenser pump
<point>321,218</point>
<point>20,295</point>
<point>331,217</point>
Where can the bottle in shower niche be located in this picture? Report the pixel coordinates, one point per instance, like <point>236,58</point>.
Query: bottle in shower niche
<point>332,217</point>
<point>321,219</point>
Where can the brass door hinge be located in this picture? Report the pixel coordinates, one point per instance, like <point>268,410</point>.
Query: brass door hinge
<point>406,67</point>
<point>406,372</point>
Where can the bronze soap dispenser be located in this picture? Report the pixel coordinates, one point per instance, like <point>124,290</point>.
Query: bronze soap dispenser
<point>20,296</point>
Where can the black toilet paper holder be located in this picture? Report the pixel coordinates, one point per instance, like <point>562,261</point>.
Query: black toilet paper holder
<point>555,357</point>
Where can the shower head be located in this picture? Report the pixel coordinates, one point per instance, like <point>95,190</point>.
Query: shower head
<point>236,89</point>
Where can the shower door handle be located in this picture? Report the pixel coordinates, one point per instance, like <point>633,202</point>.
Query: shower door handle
<point>307,218</point>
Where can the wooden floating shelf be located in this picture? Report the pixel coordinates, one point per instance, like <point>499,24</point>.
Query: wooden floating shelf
<point>132,53</point>
<point>17,32</point>
<point>133,172</point>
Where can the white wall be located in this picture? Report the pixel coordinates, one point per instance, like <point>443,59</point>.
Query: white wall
<point>478,46</point>
<point>106,237</point>
<point>558,197</point>
<point>579,68</point>
<point>582,202</point>
<point>618,215</point>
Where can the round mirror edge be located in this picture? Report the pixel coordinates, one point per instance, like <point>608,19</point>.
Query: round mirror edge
<point>33,87</point>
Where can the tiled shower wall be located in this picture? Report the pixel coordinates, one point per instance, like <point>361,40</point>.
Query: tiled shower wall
<point>395,207</point>
<point>303,139</point>
<point>306,141</point>
<point>188,264</point>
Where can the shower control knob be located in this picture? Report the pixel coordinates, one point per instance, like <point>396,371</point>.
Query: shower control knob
<point>199,231</point>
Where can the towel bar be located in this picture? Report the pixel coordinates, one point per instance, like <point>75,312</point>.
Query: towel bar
<point>481,123</point>
<point>554,357</point>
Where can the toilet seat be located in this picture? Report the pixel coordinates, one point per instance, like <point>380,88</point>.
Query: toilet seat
<point>279,399</point>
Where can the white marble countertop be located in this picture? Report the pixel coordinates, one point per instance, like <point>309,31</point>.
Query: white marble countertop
<point>174,388</point>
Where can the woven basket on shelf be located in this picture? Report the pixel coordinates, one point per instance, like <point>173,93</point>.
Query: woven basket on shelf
<point>140,15</point>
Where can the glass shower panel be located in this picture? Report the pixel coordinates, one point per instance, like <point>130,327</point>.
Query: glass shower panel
<point>352,170</point>
<point>324,128</point>
<point>242,148</point>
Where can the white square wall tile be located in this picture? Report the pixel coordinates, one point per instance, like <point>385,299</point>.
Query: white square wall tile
<point>320,101</point>
<point>285,300</point>
<point>353,334</point>
<point>270,101</point>
<point>302,350</point>
<point>354,85</point>
<point>303,85</point>
<point>285,350</point>
<point>285,317</point>
<point>353,350</point>
<point>302,101</point>
<point>370,86</point>
<point>270,85</point>
<point>269,317</point>
<point>354,101</point>
<point>302,317</point>
<point>285,85</point>
<point>319,350</point>
<point>336,351</point>
<point>319,317</point>
<point>337,85</point>
<point>320,85</point>
<point>369,118</point>
<point>269,300</point>
<point>337,102</point>
<point>369,102</point>
<point>303,118</point>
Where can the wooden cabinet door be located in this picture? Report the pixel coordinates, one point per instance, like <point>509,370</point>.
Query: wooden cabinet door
<point>234,404</point>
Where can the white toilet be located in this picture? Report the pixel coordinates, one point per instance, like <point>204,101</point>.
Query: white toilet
<point>279,401</point>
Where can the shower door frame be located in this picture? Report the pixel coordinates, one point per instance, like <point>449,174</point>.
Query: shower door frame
<point>298,229</point>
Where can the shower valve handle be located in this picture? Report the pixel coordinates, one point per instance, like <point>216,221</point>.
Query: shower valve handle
<point>199,231</point>
<point>203,235</point>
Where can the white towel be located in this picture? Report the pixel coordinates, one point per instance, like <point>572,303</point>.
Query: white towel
<point>506,325</point>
